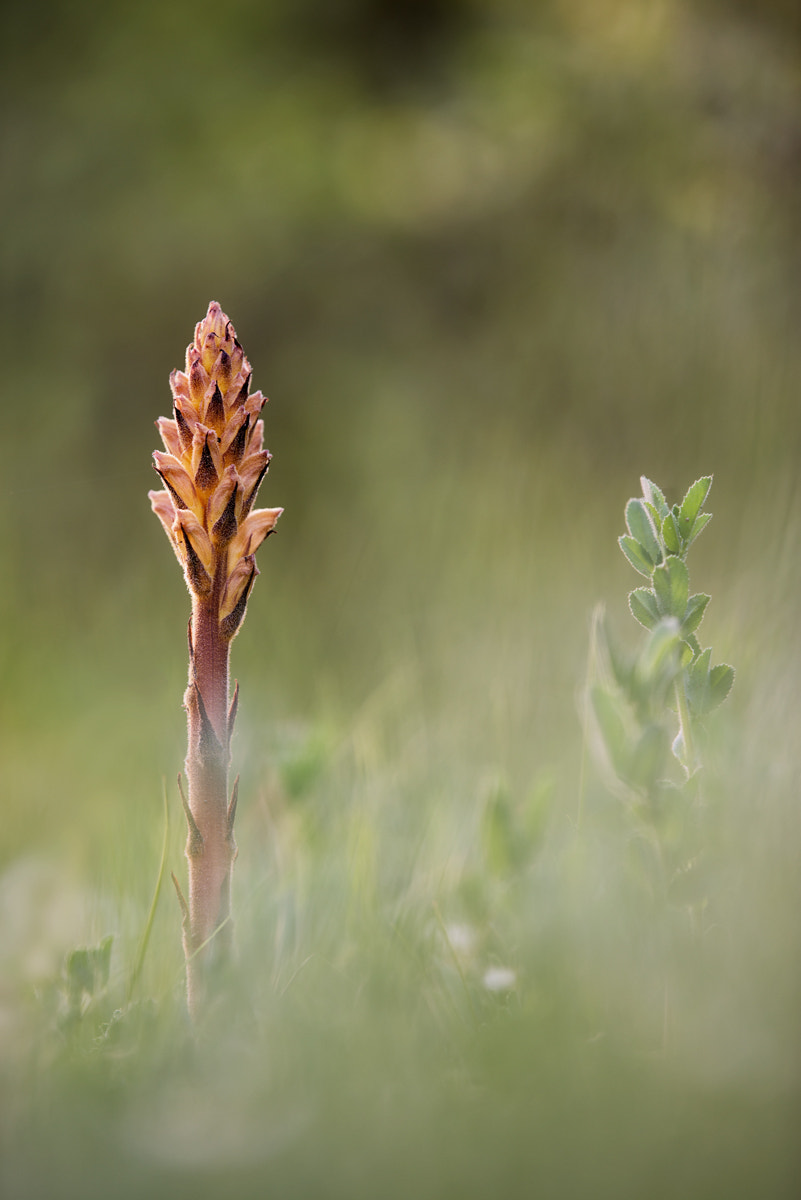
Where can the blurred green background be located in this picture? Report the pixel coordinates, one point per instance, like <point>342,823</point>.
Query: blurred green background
<point>491,260</point>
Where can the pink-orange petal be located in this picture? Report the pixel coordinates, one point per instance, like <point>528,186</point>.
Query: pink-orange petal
<point>252,468</point>
<point>188,412</point>
<point>179,384</point>
<point>232,430</point>
<point>194,531</point>
<point>222,494</point>
<point>163,507</point>
<point>238,580</point>
<point>255,403</point>
<point>252,532</point>
<point>176,478</point>
<point>198,378</point>
<point>256,443</point>
<point>170,436</point>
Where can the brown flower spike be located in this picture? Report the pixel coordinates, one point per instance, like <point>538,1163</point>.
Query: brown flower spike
<point>212,465</point>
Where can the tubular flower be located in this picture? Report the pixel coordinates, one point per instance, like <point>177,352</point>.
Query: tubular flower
<point>212,465</point>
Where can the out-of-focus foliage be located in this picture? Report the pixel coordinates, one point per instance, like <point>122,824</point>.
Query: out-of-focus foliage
<point>492,260</point>
<point>464,240</point>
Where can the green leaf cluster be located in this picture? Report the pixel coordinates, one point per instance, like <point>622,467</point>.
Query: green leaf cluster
<point>638,701</point>
<point>656,544</point>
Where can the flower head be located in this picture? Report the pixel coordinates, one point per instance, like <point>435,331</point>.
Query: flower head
<point>212,465</point>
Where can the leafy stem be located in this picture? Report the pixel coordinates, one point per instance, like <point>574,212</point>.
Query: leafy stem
<point>657,543</point>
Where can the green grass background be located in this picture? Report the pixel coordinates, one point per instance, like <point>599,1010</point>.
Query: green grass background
<point>492,261</point>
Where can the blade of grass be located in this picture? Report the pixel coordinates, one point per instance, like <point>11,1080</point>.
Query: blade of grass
<point>145,938</point>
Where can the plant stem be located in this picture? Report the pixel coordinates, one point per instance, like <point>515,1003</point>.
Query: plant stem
<point>210,847</point>
<point>685,726</point>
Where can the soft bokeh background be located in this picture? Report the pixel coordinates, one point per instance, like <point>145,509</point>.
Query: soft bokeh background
<point>492,260</point>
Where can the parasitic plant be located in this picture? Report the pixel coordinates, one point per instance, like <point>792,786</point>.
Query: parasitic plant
<point>212,465</point>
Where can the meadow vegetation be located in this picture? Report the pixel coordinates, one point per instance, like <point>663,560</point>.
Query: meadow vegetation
<point>492,265</point>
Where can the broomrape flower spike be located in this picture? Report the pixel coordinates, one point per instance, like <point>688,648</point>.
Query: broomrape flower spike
<point>212,465</point>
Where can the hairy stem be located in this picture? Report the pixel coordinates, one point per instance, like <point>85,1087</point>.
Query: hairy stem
<point>210,847</point>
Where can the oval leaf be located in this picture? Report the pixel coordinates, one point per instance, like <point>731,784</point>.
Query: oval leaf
<point>693,501</point>
<point>641,527</point>
<point>700,523</point>
<point>696,607</point>
<point>654,495</point>
<point>721,680</point>
<point>644,608</point>
<point>670,534</point>
<point>656,520</point>
<point>636,555</point>
<point>698,683</point>
<point>672,586</point>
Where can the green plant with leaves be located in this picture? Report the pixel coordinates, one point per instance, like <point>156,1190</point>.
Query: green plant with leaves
<point>656,544</point>
<point>638,701</point>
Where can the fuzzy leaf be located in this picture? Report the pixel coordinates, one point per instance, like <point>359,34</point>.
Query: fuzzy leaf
<point>636,555</point>
<point>670,534</point>
<point>644,607</point>
<point>701,522</point>
<point>692,503</point>
<point>721,679</point>
<point>696,607</point>
<point>672,586</point>
<point>641,527</point>
<point>700,667</point>
<point>654,495</point>
<point>656,520</point>
<point>698,683</point>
